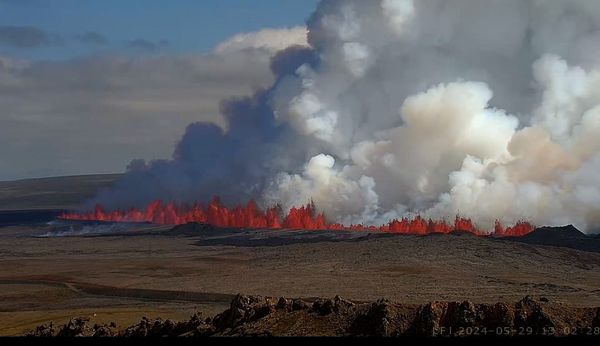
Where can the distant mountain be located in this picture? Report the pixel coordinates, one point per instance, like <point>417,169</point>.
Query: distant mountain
<point>565,236</point>
<point>52,193</point>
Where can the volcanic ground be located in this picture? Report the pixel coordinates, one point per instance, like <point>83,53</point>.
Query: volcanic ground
<point>55,270</point>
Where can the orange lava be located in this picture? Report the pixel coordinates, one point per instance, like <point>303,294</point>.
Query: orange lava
<point>305,217</point>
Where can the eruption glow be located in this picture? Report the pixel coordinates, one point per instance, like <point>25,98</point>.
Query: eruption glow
<point>305,218</point>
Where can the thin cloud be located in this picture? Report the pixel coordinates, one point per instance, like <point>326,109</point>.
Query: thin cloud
<point>94,114</point>
<point>25,37</point>
<point>92,37</point>
<point>146,45</point>
<point>271,40</point>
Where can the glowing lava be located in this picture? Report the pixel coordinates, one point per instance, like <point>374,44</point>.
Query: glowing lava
<point>305,217</point>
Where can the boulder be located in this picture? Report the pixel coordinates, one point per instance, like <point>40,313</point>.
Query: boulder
<point>299,304</point>
<point>376,321</point>
<point>76,327</point>
<point>244,309</point>
<point>336,305</point>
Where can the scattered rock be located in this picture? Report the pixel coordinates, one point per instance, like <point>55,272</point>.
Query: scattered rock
<point>44,330</point>
<point>336,305</point>
<point>76,327</point>
<point>102,331</point>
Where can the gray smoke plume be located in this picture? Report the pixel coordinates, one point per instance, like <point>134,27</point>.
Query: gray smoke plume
<point>489,109</point>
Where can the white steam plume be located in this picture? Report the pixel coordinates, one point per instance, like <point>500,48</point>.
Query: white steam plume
<point>490,109</point>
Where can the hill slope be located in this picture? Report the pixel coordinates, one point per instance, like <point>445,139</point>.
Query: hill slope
<point>52,193</point>
<point>565,236</point>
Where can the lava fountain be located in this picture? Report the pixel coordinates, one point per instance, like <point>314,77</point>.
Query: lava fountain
<point>305,217</point>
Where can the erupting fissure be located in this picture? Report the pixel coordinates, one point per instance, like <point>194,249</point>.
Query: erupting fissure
<point>305,217</point>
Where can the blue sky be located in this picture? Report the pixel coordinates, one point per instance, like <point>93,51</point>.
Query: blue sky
<point>186,25</point>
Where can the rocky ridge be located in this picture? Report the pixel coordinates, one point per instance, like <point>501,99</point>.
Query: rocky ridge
<point>268,316</point>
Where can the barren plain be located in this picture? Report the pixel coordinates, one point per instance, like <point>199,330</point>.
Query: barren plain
<point>122,278</point>
<point>58,270</point>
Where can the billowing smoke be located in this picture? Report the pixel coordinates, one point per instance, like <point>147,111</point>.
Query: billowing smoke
<point>487,109</point>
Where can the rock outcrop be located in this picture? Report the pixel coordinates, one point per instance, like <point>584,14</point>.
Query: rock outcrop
<point>266,316</point>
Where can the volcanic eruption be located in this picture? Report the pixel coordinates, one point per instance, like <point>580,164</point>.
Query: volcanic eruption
<point>411,111</point>
<point>305,218</point>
